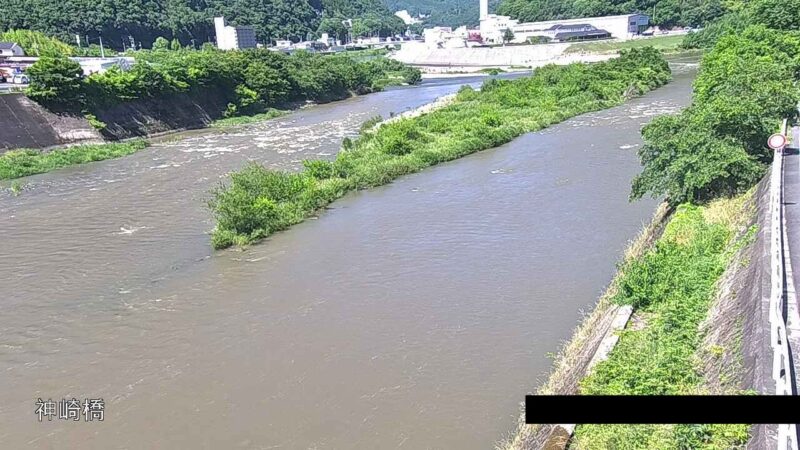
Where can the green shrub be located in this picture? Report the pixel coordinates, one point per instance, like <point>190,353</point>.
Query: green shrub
<point>20,163</point>
<point>56,82</point>
<point>319,168</point>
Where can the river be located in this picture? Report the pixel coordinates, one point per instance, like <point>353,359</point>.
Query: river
<point>415,315</point>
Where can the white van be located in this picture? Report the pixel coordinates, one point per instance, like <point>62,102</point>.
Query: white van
<point>20,78</point>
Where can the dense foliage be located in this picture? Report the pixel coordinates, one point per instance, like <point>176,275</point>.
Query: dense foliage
<point>252,80</point>
<point>142,21</point>
<point>665,13</point>
<point>732,23</point>
<point>56,82</point>
<point>35,43</point>
<point>259,201</point>
<point>671,288</point>
<point>717,146</point>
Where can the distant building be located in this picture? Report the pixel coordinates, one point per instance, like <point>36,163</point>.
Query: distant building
<point>436,35</point>
<point>622,27</point>
<point>233,38</point>
<point>99,65</point>
<point>11,49</point>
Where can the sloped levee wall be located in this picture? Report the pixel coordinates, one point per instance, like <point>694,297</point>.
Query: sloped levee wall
<point>25,124</point>
<point>149,116</point>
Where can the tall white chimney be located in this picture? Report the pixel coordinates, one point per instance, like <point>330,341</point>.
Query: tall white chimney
<point>484,9</point>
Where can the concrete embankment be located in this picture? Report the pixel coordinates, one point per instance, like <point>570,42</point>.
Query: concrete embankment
<point>25,124</point>
<point>471,59</point>
<point>151,116</point>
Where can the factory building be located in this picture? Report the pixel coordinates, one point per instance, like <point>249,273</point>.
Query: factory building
<point>233,38</point>
<point>622,27</point>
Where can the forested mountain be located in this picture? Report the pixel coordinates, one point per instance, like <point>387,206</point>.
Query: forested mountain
<point>190,20</point>
<point>662,12</point>
<point>465,12</point>
<point>449,13</point>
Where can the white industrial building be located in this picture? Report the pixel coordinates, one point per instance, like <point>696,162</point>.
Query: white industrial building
<point>11,49</point>
<point>233,38</point>
<point>621,27</point>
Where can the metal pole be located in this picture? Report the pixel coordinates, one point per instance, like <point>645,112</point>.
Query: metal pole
<point>102,52</point>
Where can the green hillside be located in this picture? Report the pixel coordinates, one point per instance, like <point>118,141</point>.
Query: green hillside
<point>663,12</point>
<point>190,21</point>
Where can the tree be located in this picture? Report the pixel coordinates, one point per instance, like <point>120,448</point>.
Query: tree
<point>508,35</point>
<point>175,45</point>
<point>36,44</point>
<point>717,146</point>
<point>268,82</point>
<point>56,82</point>
<point>781,15</point>
<point>160,43</point>
<point>334,27</point>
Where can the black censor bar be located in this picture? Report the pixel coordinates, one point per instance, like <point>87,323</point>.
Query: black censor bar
<point>651,409</point>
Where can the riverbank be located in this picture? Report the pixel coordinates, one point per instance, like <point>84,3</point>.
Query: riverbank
<point>25,162</point>
<point>259,201</point>
<point>667,43</point>
<point>685,335</point>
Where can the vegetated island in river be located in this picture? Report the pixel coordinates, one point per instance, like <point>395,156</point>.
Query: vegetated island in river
<point>259,201</point>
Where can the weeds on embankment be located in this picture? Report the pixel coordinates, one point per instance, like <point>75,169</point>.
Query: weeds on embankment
<point>21,163</point>
<point>664,43</point>
<point>671,288</point>
<point>245,120</point>
<point>259,201</point>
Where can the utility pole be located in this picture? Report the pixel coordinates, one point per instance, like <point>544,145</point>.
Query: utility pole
<point>102,51</point>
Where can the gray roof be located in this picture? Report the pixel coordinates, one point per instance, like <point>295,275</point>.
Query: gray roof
<point>593,33</point>
<point>577,25</point>
<point>7,45</point>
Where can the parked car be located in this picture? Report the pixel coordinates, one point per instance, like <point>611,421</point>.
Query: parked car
<point>20,78</point>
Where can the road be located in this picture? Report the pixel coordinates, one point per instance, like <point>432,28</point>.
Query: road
<point>785,320</point>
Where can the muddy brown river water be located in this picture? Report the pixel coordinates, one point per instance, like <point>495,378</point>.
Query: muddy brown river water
<point>416,315</point>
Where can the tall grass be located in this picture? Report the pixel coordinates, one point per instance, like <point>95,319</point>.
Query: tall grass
<point>259,201</point>
<point>665,43</point>
<point>671,288</point>
<point>244,120</point>
<point>21,163</point>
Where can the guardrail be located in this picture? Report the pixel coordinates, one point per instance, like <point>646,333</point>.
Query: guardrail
<point>781,367</point>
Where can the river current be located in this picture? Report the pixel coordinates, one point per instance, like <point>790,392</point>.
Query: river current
<point>414,315</point>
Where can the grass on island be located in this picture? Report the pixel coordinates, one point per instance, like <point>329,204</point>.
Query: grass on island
<point>666,43</point>
<point>671,288</point>
<point>24,162</point>
<point>259,201</point>
<point>244,120</point>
